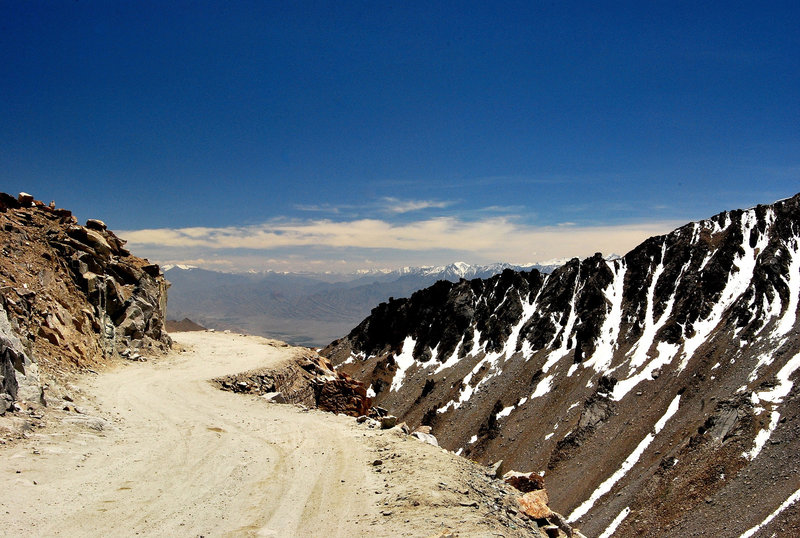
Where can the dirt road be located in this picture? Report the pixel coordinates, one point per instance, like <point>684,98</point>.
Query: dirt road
<point>160,452</point>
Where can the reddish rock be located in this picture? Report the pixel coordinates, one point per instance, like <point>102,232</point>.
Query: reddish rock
<point>343,395</point>
<point>25,199</point>
<point>534,504</point>
<point>524,482</point>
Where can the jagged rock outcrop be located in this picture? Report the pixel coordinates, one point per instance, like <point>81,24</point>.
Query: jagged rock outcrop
<point>657,391</point>
<point>71,297</point>
<point>308,380</point>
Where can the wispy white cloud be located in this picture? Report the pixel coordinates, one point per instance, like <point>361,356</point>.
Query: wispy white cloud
<point>387,204</point>
<point>396,205</point>
<point>349,243</point>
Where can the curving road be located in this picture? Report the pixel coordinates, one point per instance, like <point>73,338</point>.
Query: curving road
<point>182,458</point>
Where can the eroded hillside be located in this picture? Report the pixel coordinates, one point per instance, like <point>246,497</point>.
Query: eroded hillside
<point>72,297</point>
<point>655,392</point>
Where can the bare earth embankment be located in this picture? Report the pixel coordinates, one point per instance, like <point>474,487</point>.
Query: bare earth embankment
<point>159,451</point>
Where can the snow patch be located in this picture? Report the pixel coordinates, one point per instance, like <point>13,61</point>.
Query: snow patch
<point>774,396</point>
<point>763,436</point>
<point>564,348</point>
<point>607,344</point>
<point>505,412</point>
<point>404,361</point>
<point>453,360</point>
<point>787,320</point>
<point>611,529</point>
<point>543,387</point>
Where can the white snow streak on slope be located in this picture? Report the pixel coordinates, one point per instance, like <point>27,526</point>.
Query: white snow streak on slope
<point>738,282</point>
<point>467,391</point>
<point>453,360</point>
<point>563,349</point>
<point>793,498</point>
<point>604,350</point>
<point>360,356</point>
<point>434,356</point>
<point>543,387</point>
<point>769,310</point>
<point>773,396</point>
<point>642,346</point>
<point>492,359</point>
<point>505,412</point>
<point>404,361</point>
<point>665,352</point>
<point>695,233</point>
<point>627,465</point>
<point>763,436</point>
<point>787,320</point>
<point>614,524</point>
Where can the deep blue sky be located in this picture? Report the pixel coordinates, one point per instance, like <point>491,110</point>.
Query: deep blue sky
<point>179,114</point>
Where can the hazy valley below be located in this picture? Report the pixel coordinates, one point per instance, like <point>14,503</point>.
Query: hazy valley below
<point>303,308</point>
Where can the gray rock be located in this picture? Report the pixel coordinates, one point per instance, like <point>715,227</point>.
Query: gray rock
<point>389,421</point>
<point>19,373</point>
<point>426,438</point>
<point>495,470</point>
<point>274,397</point>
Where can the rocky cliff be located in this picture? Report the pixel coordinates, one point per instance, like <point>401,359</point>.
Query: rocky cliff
<point>71,297</point>
<point>656,392</point>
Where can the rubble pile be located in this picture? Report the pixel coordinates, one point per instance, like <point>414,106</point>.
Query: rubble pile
<point>307,380</point>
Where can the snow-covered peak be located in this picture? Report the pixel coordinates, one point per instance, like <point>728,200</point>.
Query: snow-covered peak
<point>182,267</point>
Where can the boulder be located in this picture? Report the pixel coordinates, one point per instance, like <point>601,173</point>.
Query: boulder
<point>95,240</point>
<point>389,421</point>
<point>534,504</point>
<point>425,438</point>
<point>495,470</point>
<point>96,224</point>
<point>524,482</point>
<point>342,394</point>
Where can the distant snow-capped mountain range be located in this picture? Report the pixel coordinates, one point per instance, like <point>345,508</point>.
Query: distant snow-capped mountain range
<point>455,270</point>
<point>307,308</point>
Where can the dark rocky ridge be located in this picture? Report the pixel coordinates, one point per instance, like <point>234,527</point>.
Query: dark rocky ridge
<point>662,383</point>
<point>71,298</point>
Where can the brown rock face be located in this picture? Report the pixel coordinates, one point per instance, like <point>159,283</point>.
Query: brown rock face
<point>343,395</point>
<point>72,296</point>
